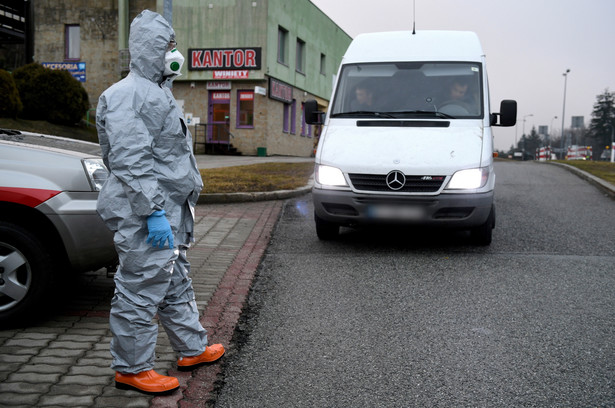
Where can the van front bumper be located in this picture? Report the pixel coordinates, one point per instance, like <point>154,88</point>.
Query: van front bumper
<point>443,210</point>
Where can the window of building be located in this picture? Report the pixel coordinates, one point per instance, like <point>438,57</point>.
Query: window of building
<point>282,46</point>
<point>286,117</point>
<point>323,65</point>
<point>293,117</point>
<point>72,42</point>
<point>300,61</point>
<point>306,129</point>
<point>245,112</point>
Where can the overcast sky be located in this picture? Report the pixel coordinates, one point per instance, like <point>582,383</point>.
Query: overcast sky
<point>529,44</point>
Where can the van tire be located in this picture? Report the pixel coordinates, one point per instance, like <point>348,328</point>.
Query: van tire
<point>482,235</point>
<point>326,230</point>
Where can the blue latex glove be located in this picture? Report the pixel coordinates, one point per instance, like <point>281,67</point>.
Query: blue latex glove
<point>159,230</point>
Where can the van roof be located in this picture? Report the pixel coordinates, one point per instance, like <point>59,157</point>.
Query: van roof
<point>422,46</point>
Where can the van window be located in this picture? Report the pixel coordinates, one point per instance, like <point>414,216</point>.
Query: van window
<point>410,90</point>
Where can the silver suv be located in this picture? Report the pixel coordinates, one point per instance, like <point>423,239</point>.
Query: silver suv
<point>48,221</point>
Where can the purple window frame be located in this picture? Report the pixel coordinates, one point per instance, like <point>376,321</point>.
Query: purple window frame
<point>293,117</point>
<point>285,114</point>
<point>239,92</point>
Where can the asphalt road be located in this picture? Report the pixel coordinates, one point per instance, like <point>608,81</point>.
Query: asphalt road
<point>409,319</point>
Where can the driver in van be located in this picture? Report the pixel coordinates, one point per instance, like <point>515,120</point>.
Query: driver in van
<point>459,96</point>
<point>458,91</point>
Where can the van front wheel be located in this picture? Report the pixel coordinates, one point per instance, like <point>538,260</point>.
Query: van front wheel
<point>326,230</point>
<point>482,234</point>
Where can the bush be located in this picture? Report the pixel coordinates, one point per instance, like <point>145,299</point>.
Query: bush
<point>10,103</point>
<point>24,79</point>
<point>51,95</point>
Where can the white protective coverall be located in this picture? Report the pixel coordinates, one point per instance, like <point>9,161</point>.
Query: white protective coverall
<point>148,150</point>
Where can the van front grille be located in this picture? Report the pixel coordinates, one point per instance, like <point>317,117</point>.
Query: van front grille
<point>413,184</point>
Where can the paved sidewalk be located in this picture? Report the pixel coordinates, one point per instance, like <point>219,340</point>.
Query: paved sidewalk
<point>64,360</point>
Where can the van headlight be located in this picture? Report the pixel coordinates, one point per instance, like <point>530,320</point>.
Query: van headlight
<point>330,176</point>
<point>469,179</point>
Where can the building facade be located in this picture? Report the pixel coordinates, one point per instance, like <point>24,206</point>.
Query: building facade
<point>250,65</point>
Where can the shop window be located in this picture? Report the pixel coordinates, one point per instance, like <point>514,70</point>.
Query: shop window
<point>323,65</point>
<point>245,113</point>
<point>72,42</point>
<point>293,117</point>
<point>300,60</point>
<point>282,46</point>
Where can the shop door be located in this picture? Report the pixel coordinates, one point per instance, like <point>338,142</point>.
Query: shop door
<point>218,122</point>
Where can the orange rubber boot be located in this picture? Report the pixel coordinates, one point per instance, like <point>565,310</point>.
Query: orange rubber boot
<point>149,382</point>
<point>212,353</point>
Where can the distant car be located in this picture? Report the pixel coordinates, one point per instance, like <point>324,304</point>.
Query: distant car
<point>48,220</point>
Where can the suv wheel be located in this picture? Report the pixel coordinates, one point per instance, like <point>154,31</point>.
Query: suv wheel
<point>26,273</point>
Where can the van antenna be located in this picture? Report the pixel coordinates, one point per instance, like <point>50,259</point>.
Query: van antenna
<point>413,17</point>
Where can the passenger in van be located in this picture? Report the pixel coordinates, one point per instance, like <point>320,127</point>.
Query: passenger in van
<point>364,98</point>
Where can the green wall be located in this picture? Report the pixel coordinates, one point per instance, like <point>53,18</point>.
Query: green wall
<point>254,23</point>
<point>304,20</point>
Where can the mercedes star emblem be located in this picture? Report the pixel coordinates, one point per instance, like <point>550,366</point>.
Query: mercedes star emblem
<point>396,180</point>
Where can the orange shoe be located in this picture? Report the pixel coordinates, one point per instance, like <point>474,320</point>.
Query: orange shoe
<point>149,382</point>
<point>212,353</point>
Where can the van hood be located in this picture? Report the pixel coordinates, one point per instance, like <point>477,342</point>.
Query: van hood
<point>412,150</point>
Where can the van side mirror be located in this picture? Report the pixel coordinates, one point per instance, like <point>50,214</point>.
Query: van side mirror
<point>507,114</point>
<point>312,115</point>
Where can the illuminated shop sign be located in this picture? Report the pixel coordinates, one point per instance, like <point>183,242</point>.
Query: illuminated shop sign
<point>280,91</point>
<point>246,96</point>
<point>224,59</point>
<point>240,74</point>
<point>221,96</point>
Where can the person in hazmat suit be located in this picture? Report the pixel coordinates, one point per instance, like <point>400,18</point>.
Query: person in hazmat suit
<point>148,202</point>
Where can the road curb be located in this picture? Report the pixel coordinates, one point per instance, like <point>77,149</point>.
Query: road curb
<point>605,186</point>
<point>219,198</point>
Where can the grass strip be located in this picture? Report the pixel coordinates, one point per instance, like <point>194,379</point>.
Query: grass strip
<point>600,169</point>
<point>252,178</point>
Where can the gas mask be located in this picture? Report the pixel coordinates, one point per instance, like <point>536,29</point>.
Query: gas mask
<point>173,61</point>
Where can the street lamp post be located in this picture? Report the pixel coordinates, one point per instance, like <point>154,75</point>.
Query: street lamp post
<point>565,74</point>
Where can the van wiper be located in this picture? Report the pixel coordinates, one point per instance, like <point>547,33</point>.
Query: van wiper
<point>363,113</point>
<point>423,112</point>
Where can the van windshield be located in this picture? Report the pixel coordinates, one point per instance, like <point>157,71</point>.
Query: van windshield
<point>410,90</point>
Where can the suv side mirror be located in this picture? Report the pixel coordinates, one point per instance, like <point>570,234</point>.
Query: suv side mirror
<point>312,115</point>
<point>507,115</point>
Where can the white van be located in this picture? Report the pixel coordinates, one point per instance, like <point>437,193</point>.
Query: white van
<point>407,136</point>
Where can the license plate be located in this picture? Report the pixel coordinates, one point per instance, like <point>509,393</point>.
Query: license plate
<point>396,212</point>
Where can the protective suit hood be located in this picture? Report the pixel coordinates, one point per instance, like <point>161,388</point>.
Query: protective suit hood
<point>149,37</point>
